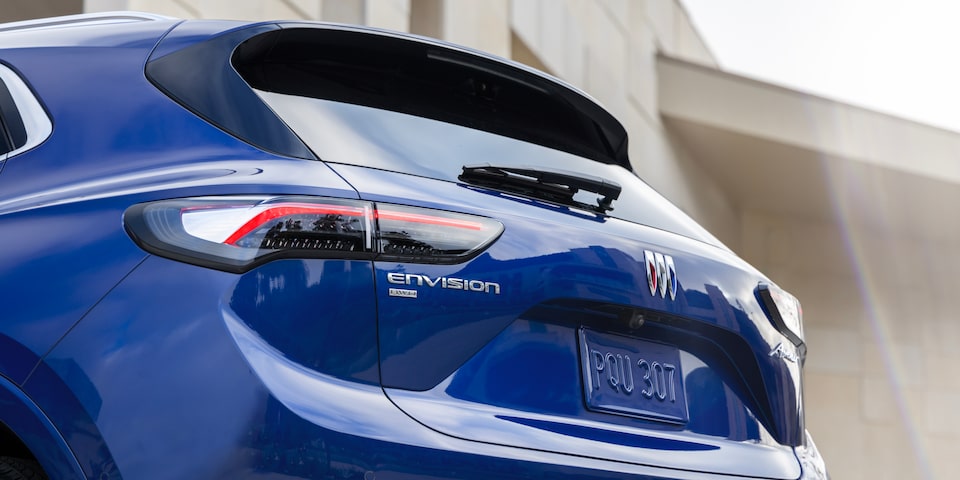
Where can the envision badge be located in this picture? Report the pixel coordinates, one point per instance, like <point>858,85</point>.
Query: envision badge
<point>449,283</point>
<point>661,274</point>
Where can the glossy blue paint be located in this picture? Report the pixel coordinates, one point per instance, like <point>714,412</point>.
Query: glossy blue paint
<point>39,265</point>
<point>323,303</point>
<point>251,408</point>
<point>119,364</point>
<point>22,417</point>
<point>454,343</point>
<point>716,288</point>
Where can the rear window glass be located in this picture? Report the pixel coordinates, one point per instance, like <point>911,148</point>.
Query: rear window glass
<point>359,135</point>
<point>429,80</point>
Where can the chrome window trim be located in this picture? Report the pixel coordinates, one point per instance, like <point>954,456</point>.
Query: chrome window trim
<point>35,120</point>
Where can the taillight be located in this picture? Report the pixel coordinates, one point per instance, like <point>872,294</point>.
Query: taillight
<point>784,310</point>
<point>238,233</point>
<point>429,235</point>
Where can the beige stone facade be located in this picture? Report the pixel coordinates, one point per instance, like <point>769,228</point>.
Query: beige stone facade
<point>850,210</point>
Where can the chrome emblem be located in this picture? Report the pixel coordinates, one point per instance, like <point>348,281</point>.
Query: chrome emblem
<point>448,283</point>
<point>780,351</point>
<point>661,274</point>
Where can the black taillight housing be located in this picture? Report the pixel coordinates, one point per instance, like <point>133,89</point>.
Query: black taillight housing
<point>784,311</point>
<point>236,234</point>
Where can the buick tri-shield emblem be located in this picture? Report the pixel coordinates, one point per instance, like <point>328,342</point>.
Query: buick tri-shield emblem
<point>661,274</point>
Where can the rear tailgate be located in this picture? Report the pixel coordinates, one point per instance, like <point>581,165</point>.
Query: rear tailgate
<point>552,340</point>
<point>632,336</point>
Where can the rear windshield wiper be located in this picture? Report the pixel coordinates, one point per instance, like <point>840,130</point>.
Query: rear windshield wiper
<point>550,185</point>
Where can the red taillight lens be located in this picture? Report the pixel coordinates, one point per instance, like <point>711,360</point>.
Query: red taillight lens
<point>237,233</point>
<point>432,236</point>
<point>285,225</point>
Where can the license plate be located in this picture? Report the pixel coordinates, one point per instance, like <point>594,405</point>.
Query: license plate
<point>632,377</point>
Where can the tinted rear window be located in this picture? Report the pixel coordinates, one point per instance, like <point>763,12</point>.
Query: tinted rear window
<point>353,134</point>
<point>431,80</point>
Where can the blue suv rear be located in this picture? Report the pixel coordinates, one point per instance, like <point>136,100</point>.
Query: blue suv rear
<point>302,250</point>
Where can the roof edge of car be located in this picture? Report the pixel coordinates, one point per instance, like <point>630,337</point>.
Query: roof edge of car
<point>99,18</point>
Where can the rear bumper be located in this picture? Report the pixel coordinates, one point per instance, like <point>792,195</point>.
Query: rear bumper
<point>368,416</point>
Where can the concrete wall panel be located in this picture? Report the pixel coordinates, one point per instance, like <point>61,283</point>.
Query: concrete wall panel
<point>881,379</point>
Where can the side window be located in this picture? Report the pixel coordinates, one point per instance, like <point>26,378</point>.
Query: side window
<point>6,101</point>
<point>23,122</point>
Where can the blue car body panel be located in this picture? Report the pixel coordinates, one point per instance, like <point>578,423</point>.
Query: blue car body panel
<point>22,415</point>
<point>116,363</point>
<point>157,141</point>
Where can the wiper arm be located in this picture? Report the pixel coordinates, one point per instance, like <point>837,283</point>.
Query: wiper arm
<point>551,185</point>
